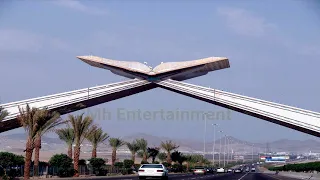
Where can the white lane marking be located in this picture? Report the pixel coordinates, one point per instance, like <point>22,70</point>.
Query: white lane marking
<point>243,176</point>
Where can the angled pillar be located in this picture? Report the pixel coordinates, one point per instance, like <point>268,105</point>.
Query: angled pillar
<point>75,100</point>
<point>291,117</point>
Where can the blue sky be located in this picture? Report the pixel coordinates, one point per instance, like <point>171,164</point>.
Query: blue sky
<point>273,48</point>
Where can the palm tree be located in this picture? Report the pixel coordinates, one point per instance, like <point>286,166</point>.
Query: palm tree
<point>133,148</point>
<point>143,147</point>
<point>162,156</point>
<point>96,137</point>
<point>153,152</point>
<point>188,160</point>
<point>67,135</point>
<point>115,143</point>
<point>168,146</point>
<point>3,113</point>
<point>81,127</point>
<point>36,122</point>
<point>179,157</point>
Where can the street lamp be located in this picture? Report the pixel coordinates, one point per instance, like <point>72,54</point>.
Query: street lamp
<point>228,150</point>
<point>220,149</point>
<point>204,136</point>
<point>214,141</point>
<point>252,153</point>
<point>224,151</point>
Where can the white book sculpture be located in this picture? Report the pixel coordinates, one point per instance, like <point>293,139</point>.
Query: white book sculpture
<point>169,70</point>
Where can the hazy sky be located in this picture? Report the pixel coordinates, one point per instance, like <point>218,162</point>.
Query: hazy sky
<point>273,48</point>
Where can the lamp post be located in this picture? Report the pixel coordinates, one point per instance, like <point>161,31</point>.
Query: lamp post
<point>224,151</point>
<point>228,150</point>
<point>252,153</point>
<point>220,149</point>
<point>204,136</point>
<point>214,142</point>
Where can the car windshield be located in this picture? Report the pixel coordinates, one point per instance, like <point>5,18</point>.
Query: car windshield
<point>151,166</point>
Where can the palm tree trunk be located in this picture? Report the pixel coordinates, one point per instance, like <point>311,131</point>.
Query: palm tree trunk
<point>114,157</point>
<point>27,163</point>
<point>36,155</point>
<point>144,157</point>
<point>133,157</point>
<point>169,158</point>
<point>76,159</point>
<point>70,151</point>
<point>94,152</point>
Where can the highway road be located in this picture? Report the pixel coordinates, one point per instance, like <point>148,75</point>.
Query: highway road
<point>226,176</point>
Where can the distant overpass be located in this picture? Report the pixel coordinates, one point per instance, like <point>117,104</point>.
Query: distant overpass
<point>167,76</point>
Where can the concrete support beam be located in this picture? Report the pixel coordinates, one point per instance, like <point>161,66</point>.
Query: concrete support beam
<point>75,100</point>
<point>291,117</point>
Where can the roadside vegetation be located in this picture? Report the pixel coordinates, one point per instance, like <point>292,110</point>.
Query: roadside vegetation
<point>302,167</point>
<point>73,131</point>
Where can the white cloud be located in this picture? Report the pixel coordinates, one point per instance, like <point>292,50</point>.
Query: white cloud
<point>13,40</point>
<point>245,23</point>
<point>78,6</point>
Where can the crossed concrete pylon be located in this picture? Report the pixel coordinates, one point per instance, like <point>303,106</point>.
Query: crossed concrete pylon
<point>168,76</point>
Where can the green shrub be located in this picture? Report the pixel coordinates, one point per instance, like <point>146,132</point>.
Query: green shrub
<point>137,166</point>
<point>61,161</point>
<point>66,172</point>
<point>156,162</point>
<point>144,162</point>
<point>64,164</point>
<point>98,166</point>
<point>303,167</point>
<point>118,164</point>
<point>128,163</point>
<point>8,159</point>
<point>166,164</point>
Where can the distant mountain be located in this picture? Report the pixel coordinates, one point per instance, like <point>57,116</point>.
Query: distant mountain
<point>16,142</point>
<point>44,139</point>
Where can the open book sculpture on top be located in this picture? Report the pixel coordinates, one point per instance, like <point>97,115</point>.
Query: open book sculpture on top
<point>169,70</point>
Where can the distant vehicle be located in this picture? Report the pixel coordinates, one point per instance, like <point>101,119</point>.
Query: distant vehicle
<point>230,170</point>
<point>153,170</point>
<point>247,169</point>
<point>210,170</point>
<point>220,170</point>
<point>199,170</point>
<point>253,169</point>
<point>238,170</point>
<point>214,170</point>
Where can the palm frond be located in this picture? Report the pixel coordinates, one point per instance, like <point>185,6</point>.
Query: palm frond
<point>82,127</point>
<point>96,136</point>
<point>142,144</point>
<point>66,135</point>
<point>115,143</point>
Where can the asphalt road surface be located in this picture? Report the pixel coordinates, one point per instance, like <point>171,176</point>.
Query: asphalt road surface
<point>226,176</point>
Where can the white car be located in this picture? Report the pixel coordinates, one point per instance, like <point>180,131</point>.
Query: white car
<point>253,169</point>
<point>199,170</point>
<point>220,170</point>
<point>153,171</point>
